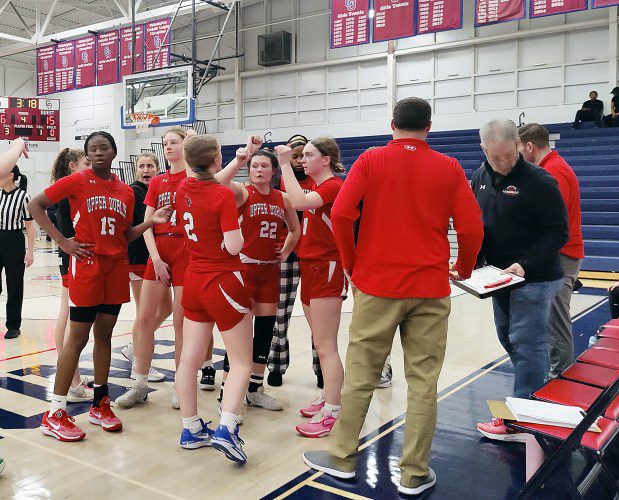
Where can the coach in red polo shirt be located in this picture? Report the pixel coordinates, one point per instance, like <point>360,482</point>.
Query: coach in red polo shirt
<point>400,271</point>
<point>535,147</point>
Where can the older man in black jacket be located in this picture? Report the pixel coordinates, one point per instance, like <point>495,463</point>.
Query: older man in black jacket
<point>525,225</point>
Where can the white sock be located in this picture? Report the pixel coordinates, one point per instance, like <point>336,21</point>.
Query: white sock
<point>334,410</point>
<point>388,360</point>
<point>141,380</point>
<point>192,424</point>
<point>207,364</point>
<point>58,403</point>
<point>229,420</point>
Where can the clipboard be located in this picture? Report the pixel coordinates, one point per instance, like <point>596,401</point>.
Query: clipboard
<point>488,281</point>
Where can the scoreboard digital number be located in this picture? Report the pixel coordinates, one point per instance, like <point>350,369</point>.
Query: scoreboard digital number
<point>34,119</point>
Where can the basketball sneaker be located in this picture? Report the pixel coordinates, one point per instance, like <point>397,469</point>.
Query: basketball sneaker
<point>207,381</point>
<point>385,376</point>
<point>61,426</point>
<point>175,404</point>
<point>426,483</point>
<point>229,443</point>
<point>498,431</point>
<point>81,393</point>
<point>135,395</point>
<point>263,400</point>
<point>313,408</point>
<point>153,375</point>
<point>200,439</point>
<point>318,426</point>
<point>104,416</point>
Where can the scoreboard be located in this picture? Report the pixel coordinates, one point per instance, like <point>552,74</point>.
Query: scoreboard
<point>34,119</point>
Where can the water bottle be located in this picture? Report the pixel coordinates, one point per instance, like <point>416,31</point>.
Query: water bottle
<point>592,340</point>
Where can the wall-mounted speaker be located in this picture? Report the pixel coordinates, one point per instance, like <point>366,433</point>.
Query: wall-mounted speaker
<point>275,49</point>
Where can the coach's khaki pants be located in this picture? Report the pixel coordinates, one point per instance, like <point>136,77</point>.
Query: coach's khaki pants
<point>423,333</point>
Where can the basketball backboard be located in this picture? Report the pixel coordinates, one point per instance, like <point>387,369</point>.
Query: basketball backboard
<point>166,93</point>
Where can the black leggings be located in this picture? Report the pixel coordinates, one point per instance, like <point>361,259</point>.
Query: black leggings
<point>613,300</point>
<point>12,254</point>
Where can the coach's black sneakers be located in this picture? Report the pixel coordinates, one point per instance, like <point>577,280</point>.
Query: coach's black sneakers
<point>275,379</point>
<point>207,382</point>
<point>12,334</point>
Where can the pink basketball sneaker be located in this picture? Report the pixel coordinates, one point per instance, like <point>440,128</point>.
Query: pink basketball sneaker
<point>313,408</point>
<point>318,426</point>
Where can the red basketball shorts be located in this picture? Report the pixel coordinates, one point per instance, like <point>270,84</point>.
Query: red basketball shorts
<point>172,251</point>
<point>322,278</point>
<point>99,280</point>
<point>263,282</point>
<point>216,297</point>
<point>136,271</point>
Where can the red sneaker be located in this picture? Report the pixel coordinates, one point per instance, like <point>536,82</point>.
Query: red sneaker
<point>318,426</point>
<point>61,426</point>
<point>498,431</point>
<point>104,416</point>
<point>313,408</point>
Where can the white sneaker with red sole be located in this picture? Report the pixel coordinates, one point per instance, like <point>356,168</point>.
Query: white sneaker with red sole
<point>498,431</point>
<point>61,426</point>
<point>104,416</point>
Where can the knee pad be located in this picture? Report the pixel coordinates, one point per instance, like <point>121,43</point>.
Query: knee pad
<point>83,314</point>
<point>111,309</point>
<point>263,335</point>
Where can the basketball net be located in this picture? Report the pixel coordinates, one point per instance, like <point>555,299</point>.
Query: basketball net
<point>143,120</point>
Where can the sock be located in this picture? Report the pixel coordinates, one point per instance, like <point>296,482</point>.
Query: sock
<point>334,410</point>
<point>100,393</point>
<point>388,360</point>
<point>255,382</point>
<point>229,420</point>
<point>221,391</point>
<point>207,364</point>
<point>58,403</point>
<point>141,380</point>
<point>192,424</point>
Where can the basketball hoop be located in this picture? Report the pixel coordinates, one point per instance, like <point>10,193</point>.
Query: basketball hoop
<point>143,120</point>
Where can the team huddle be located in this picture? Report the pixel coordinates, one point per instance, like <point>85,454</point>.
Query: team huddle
<point>218,245</point>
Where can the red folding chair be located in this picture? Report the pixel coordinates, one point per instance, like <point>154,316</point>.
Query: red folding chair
<point>584,373</point>
<point>570,393</point>
<point>607,343</point>
<point>600,357</point>
<point>611,333</point>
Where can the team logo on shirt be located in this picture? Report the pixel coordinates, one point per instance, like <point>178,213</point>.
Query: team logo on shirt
<point>266,209</point>
<point>410,148</point>
<point>106,203</point>
<point>187,200</point>
<point>511,191</point>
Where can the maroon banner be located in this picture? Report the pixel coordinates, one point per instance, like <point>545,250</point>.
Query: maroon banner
<point>65,66</point>
<point>107,57</point>
<point>604,3</point>
<point>126,41</point>
<point>498,11</point>
<point>541,8</point>
<point>349,22</point>
<point>154,33</point>
<point>393,20</point>
<point>438,15</point>
<point>85,74</point>
<point>45,70</point>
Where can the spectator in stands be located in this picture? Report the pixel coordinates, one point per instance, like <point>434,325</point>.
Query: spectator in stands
<point>400,275</point>
<point>525,226</point>
<point>611,120</point>
<point>535,148</point>
<point>591,111</point>
<point>613,300</point>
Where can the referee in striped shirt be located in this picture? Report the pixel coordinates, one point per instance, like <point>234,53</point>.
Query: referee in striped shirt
<point>14,258</point>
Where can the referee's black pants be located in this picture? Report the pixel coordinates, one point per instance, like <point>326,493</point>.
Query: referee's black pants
<point>12,255</point>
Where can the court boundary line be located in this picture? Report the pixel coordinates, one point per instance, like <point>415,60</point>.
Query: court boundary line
<point>336,491</point>
<point>465,381</point>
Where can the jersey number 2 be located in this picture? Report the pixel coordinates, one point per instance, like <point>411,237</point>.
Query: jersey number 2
<point>268,230</point>
<point>189,226</point>
<point>108,226</point>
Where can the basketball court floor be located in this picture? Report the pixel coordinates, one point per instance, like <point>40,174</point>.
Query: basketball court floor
<point>146,461</point>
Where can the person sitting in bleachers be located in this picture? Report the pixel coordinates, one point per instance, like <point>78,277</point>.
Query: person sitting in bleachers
<point>592,111</point>
<point>612,120</point>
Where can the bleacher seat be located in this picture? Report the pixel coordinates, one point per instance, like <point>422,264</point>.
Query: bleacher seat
<point>607,343</point>
<point>611,333</point>
<point>600,357</point>
<point>597,376</point>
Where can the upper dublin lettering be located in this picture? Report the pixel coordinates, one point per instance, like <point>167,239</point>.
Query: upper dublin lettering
<point>106,203</point>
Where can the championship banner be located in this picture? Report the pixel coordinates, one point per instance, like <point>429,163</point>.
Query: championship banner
<point>604,3</point>
<point>154,33</point>
<point>498,11</point>
<point>65,66</point>
<point>45,70</point>
<point>350,23</point>
<point>85,74</point>
<point>107,57</point>
<point>393,20</point>
<point>438,15</point>
<point>541,8</point>
<point>126,40</point>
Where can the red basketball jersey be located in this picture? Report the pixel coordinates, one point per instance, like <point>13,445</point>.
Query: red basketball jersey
<point>317,241</point>
<point>262,220</point>
<point>206,211</point>
<point>101,210</point>
<point>162,192</point>
<point>306,185</point>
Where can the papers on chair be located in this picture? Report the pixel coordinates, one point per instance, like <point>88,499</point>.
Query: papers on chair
<point>541,412</point>
<point>487,281</point>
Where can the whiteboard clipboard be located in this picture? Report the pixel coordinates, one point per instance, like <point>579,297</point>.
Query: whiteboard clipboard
<point>482,283</point>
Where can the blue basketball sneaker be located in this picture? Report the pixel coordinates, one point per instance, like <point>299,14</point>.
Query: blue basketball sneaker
<point>229,443</point>
<point>200,439</point>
